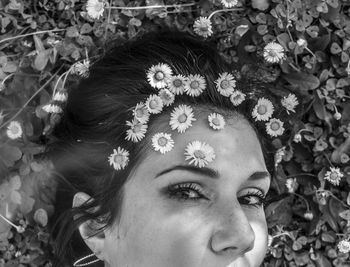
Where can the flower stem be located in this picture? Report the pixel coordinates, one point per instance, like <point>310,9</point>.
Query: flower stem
<point>28,34</point>
<point>222,10</point>
<point>149,7</point>
<point>9,222</point>
<point>307,203</point>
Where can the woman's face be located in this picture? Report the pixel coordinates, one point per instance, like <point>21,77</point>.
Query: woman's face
<point>178,215</point>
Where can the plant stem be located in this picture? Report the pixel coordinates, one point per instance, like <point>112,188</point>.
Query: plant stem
<point>222,10</point>
<point>28,34</point>
<point>149,7</point>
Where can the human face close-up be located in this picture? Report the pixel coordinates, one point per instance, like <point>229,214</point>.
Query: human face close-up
<point>178,215</point>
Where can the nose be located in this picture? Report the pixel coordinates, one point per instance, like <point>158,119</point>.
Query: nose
<point>233,236</point>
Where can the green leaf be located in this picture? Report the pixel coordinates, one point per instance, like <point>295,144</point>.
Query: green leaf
<point>39,46</point>
<point>335,48</point>
<point>304,80</point>
<point>319,108</point>
<point>9,154</point>
<point>41,60</point>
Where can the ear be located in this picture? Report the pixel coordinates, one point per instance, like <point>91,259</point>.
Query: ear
<point>88,228</point>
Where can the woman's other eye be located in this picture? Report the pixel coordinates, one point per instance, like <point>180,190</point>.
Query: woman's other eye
<point>255,199</point>
<point>186,191</point>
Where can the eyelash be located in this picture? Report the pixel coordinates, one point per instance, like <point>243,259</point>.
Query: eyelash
<point>173,191</point>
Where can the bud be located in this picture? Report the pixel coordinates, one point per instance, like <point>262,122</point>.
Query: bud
<point>301,42</point>
<point>308,215</point>
<point>269,240</point>
<point>297,138</point>
<point>292,185</point>
<point>337,116</point>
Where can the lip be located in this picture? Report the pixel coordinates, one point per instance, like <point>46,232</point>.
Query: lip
<point>240,262</point>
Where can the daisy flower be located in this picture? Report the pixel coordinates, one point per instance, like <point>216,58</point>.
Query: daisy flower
<point>290,102</point>
<point>308,215</point>
<point>162,142</point>
<point>216,121</point>
<point>181,118</point>
<point>274,127</point>
<point>237,97</point>
<point>154,104</point>
<point>274,52</point>
<point>14,130</point>
<point>119,158</point>
<point>176,84</point>
<point>199,153</point>
<point>167,97</point>
<point>279,155</point>
<point>52,108</point>
<point>141,113</point>
<point>202,26</point>
<point>225,84</point>
<point>61,97</point>
<point>344,246</point>
<point>229,3</point>
<point>95,8</point>
<point>157,75</point>
<point>263,110</point>
<point>333,176</point>
<point>81,68</point>
<point>136,132</point>
<point>195,85</point>
<point>292,185</point>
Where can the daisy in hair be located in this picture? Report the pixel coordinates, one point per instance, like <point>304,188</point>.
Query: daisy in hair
<point>274,127</point>
<point>225,84</point>
<point>181,118</point>
<point>274,52</point>
<point>95,8</point>
<point>14,130</point>
<point>136,132</point>
<point>157,75</point>
<point>60,97</point>
<point>263,110</point>
<point>176,84</point>
<point>237,97</point>
<point>154,104</point>
<point>333,176</point>
<point>229,3</point>
<point>162,142</point>
<point>141,113</point>
<point>119,158</point>
<point>290,102</point>
<point>167,97</point>
<point>195,85</point>
<point>199,153</point>
<point>202,26</point>
<point>216,121</point>
<point>52,108</point>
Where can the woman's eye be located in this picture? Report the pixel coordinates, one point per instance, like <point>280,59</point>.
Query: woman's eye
<point>187,191</point>
<point>255,199</point>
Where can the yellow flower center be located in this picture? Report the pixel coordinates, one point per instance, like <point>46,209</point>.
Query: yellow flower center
<point>224,84</point>
<point>14,130</point>
<point>137,128</point>
<point>199,154</point>
<point>182,118</point>
<point>139,113</point>
<point>153,104</point>
<point>177,82</point>
<point>194,84</point>
<point>159,75</point>
<point>262,109</point>
<point>204,28</point>
<point>118,159</point>
<point>162,141</point>
<point>216,121</point>
<point>275,126</point>
<point>334,176</point>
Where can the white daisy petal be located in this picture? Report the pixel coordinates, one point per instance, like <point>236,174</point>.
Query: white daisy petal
<point>199,153</point>
<point>263,110</point>
<point>290,102</point>
<point>14,130</point>
<point>167,97</point>
<point>181,118</point>
<point>274,52</point>
<point>52,108</point>
<point>158,75</point>
<point>344,246</point>
<point>334,175</point>
<point>119,158</point>
<point>141,113</point>
<point>162,142</point>
<point>195,85</point>
<point>136,132</point>
<point>225,84</point>
<point>216,121</point>
<point>154,104</point>
<point>202,26</point>
<point>60,97</point>
<point>176,84</point>
<point>81,68</point>
<point>274,127</point>
<point>237,97</point>
<point>229,3</point>
<point>95,8</point>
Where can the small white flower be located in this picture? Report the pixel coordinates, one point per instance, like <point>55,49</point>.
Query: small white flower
<point>344,246</point>
<point>154,104</point>
<point>157,75</point>
<point>229,3</point>
<point>263,110</point>
<point>141,113</point>
<point>14,130</point>
<point>167,97</point>
<point>301,42</point>
<point>216,121</point>
<point>162,142</point>
<point>52,108</point>
<point>292,185</point>
<point>274,127</point>
<point>297,138</point>
<point>95,8</point>
<point>225,84</point>
<point>333,176</point>
<point>195,85</point>
<point>81,68</point>
<point>279,155</point>
<point>202,26</point>
<point>237,97</point>
<point>308,215</point>
<point>181,118</point>
<point>269,240</point>
<point>119,158</point>
<point>136,132</point>
<point>177,84</point>
<point>199,153</point>
<point>290,102</point>
<point>61,97</point>
<point>274,52</point>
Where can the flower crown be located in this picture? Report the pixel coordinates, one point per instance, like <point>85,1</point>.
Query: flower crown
<point>169,85</point>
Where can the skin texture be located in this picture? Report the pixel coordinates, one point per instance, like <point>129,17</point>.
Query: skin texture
<point>218,227</point>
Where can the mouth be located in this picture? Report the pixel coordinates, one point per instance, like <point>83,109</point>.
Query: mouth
<point>240,262</point>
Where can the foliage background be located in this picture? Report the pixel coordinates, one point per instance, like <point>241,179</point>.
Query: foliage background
<point>34,65</point>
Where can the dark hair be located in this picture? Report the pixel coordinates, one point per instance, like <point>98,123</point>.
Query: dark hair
<point>93,124</point>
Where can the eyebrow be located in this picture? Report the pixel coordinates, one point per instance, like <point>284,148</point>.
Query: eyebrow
<point>212,173</point>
